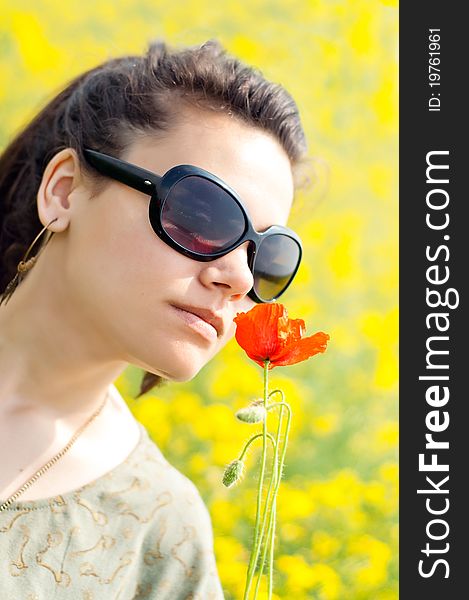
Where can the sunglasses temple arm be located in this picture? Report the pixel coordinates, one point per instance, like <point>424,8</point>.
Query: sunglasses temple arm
<point>131,175</point>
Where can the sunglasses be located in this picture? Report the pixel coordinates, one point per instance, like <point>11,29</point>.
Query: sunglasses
<point>201,217</point>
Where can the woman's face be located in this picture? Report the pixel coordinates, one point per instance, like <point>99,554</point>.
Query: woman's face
<point>127,282</point>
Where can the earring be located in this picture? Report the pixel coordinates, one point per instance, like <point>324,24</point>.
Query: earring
<point>25,265</point>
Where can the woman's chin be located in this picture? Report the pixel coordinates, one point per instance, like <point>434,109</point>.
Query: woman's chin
<point>184,373</point>
<point>178,371</point>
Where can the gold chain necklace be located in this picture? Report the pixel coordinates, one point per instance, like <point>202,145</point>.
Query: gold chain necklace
<point>53,460</point>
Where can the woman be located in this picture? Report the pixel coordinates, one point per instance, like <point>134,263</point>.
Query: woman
<point>105,264</point>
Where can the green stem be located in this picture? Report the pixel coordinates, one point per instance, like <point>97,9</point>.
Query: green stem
<point>253,558</point>
<point>272,544</point>
<point>277,392</point>
<point>254,437</point>
<point>271,524</point>
<point>273,482</point>
<point>276,404</point>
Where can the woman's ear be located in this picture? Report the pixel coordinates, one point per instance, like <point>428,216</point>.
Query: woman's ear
<point>60,178</point>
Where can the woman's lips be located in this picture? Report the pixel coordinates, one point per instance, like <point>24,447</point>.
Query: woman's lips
<point>197,324</point>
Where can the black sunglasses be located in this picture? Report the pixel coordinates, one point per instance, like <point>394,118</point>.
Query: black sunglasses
<point>200,216</point>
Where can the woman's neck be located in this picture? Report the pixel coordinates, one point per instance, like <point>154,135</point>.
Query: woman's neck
<point>55,371</point>
<point>53,359</point>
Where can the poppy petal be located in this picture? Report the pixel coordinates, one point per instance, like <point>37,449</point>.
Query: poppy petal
<point>302,349</point>
<point>292,330</point>
<point>266,333</point>
<point>256,330</point>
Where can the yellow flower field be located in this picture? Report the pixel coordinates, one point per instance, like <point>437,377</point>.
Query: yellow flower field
<point>337,535</point>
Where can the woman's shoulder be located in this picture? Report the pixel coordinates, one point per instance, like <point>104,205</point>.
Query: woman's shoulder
<point>144,521</point>
<point>152,499</point>
<point>147,481</point>
<point>140,488</point>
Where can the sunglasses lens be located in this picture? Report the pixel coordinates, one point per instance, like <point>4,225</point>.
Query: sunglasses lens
<point>201,216</point>
<point>275,265</point>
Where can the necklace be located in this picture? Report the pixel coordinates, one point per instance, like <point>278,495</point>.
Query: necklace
<point>54,459</point>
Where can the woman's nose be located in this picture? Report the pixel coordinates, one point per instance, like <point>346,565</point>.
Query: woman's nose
<point>230,272</point>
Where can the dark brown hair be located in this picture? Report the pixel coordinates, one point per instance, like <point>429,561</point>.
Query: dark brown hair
<point>107,106</point>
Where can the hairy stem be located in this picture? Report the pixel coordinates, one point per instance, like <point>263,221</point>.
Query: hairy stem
<point>254,553</point>
<point>269,507</point>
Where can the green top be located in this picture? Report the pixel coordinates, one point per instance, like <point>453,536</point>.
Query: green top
<point>141,531</point>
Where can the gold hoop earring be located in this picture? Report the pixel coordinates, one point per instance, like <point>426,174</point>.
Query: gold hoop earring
<point>25,265</point>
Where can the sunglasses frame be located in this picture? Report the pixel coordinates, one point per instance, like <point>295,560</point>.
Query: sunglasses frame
<point>159,186</point>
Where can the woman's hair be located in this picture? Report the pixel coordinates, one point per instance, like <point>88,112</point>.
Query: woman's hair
<point>106,107</point>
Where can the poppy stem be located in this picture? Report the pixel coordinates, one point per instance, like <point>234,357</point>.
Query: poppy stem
<point>257,540</point>
<point>273,513</point>
<point>278,478</point>
<point>276,404</point>
<point>277,392</point>
<point>254,437</point>
<point>269,543</point>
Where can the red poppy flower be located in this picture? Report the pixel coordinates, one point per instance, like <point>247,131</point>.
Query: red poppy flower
<point>266,332</point>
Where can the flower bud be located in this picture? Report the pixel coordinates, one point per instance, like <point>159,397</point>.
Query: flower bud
<point>233,472</point>
<point>254,413</point>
